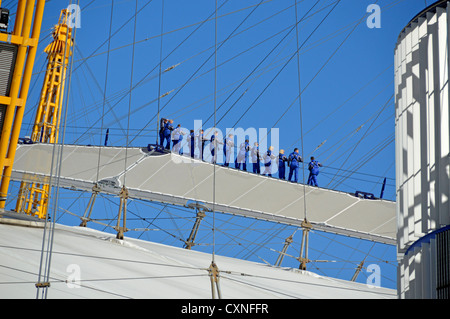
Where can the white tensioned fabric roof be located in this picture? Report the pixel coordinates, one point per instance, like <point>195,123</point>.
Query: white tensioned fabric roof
<point>89,264</point>
<point>180,180</point>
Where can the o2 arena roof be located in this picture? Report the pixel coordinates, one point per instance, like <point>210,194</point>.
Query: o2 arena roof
<point>104,267</point>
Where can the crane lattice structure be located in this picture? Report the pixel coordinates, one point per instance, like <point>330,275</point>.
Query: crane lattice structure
<point>34,196</point>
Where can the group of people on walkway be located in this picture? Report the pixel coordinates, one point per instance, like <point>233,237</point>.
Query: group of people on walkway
<point>168,133</point>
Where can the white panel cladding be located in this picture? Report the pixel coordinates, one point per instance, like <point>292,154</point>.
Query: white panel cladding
<point>422,127</point>
<point>422,67</point>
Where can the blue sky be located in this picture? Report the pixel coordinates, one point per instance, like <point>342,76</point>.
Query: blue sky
<point>346,78</point>
<point>345,89</point>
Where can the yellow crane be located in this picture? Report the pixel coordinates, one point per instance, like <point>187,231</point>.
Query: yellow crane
<point>17,55</point>
<point>33,196</point>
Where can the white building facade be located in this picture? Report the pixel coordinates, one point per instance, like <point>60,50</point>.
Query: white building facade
<point>422,121</point>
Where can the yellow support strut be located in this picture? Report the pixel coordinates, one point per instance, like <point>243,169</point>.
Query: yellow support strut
<point>33,197</point>
<point>25,36</point>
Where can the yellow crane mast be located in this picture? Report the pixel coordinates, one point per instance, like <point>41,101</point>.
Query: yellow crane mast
<point>33,197</point>
<point>17,55</point>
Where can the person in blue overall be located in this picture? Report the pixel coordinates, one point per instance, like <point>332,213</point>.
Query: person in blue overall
<point>161,131</point>
<point>256,159</point>
<point>242,156</point>
<point>168,128</point>
<point>313,168</point>
<point>282,159</point>
<point>268,157</point>
<point>227,148</point>
<point>294,160</point>
<point>192,142</point>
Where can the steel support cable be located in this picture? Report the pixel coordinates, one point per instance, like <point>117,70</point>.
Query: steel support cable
<point>148,103</point>
<point>382,177</point>
<point>215,141</point>
<point>290,59</point>
<point>54,280</point>
<point>145,76</point>
<point>343,104</point>
<point>375,152</point>
<point>232,237</point>
<point>347,245</point>
<point>238,235</point>
<point>142,218</point>
<point>179,29</point>
<point>368,134</point>
<point>337,259</point>
<point>45,261</point>
<point>236,88</point>
<point>343,143</point>
<point>227,221</point>
<point>110,108</point>
<point>116,32</point>
<point>357,179</point>
<point>272,233</point>
<point>256,76</point>
<point>130,95</point>
<point>353,252</point>
<point>359,173</point>
<point>105,88</point>
<point>160,73</point>
<point>345,124</point>
<point>261,287</point>
<point>364,135</point>
<point>201,66</point>
<point>267,55</point>
<point>106,258</point>
<point>226,61</point>
<point>339,144</point>
<point>239,239</point>
<point>154,218</point>
<point>316,74</point>
<point>186,83</point>
<point>175,30</point>
<point>291,27</point>
<point>301,111</point>
<point>320,70</point>
<point>148,73</point>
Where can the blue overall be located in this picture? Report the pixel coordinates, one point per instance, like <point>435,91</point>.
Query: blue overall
<point>282,159</point>
<point>167,131</point>
<point>313,167</point>
<point>294,159</point>
<point>192,144</point>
